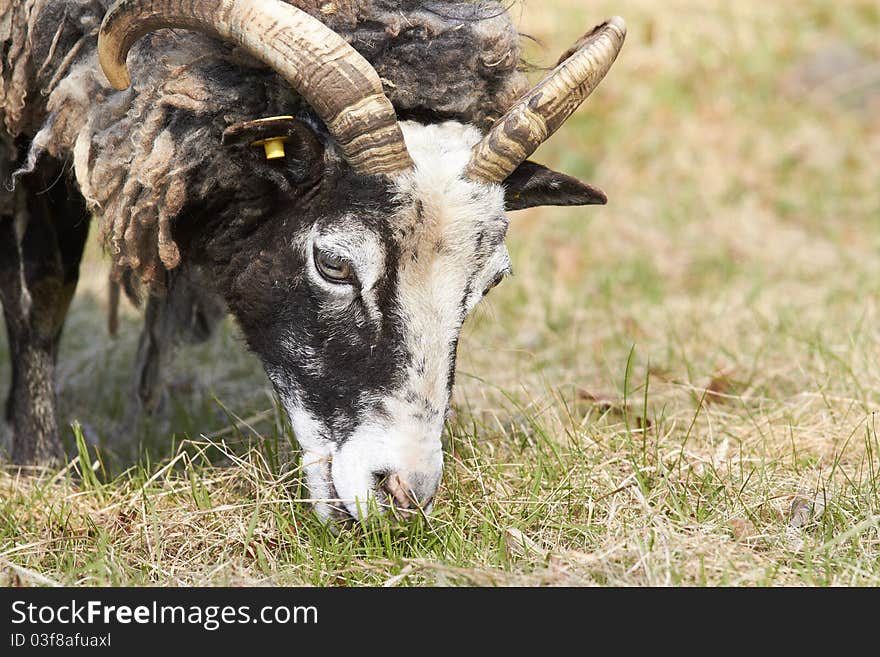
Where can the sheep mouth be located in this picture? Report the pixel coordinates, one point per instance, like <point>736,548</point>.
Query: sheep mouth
<point>393,510</point>
<point>339,514</point>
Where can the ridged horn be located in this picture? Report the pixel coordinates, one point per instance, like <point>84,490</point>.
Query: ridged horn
<point>540,112</point>
<point>338,83</point>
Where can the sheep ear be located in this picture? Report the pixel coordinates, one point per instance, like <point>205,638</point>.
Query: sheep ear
<point>277,139</point>
<point>532,185</point>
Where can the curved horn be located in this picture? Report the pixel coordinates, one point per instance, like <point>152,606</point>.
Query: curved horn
<point>539,113</point>
<point>338,83</point>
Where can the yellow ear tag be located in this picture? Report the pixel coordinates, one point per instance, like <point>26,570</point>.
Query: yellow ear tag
<point>274,147</point>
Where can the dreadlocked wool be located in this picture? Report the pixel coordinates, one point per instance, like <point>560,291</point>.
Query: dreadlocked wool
<point>140,156</point>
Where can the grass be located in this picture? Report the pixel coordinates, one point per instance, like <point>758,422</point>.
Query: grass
<point>680,388</point>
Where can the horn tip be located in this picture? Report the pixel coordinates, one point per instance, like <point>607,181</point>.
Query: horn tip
<point>617,23</point>
<point>120,81</point>
<point>118,78</point>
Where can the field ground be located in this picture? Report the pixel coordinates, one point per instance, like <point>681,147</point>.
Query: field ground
<point>680,388</point>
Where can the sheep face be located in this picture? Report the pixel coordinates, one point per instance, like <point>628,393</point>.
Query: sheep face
<point>354,297</point>
<point>362,349</point>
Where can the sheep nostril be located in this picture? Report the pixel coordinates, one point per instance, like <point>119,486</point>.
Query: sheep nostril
<point>400,495</point>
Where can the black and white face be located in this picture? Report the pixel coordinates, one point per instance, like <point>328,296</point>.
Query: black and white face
<point>365,372</point>
<point>355,300</point>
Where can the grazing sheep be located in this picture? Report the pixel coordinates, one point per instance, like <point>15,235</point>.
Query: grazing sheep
<point>338,171</point>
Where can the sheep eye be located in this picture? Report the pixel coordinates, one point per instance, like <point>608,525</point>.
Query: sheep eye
<point>333,268</point>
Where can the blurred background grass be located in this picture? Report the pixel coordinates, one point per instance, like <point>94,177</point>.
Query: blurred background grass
<point>678,387</point>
